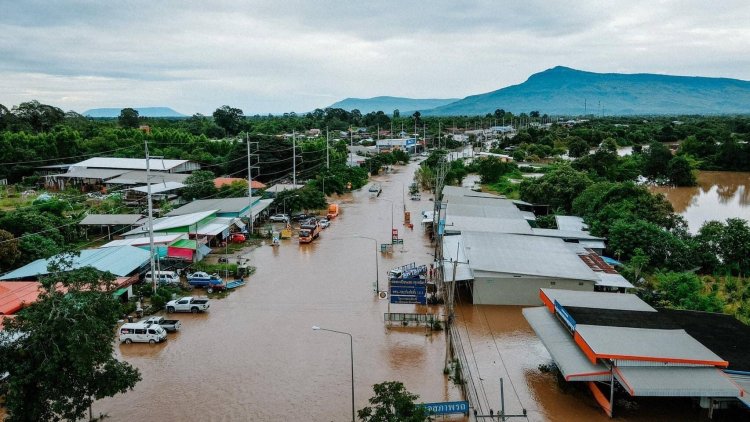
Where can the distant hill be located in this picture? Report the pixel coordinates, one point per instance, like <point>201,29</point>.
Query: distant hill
<point>562,90</point>
<point>388,104</point>
<point>142,111</point>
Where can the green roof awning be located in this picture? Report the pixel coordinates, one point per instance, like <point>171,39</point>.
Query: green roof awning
<point>120,292</point>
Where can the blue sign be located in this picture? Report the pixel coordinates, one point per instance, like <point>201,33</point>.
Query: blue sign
<point>409,300</point>
<point>447,407</point>
<point>405,283</point>
<point>565,316</point>
<point>408,290</point>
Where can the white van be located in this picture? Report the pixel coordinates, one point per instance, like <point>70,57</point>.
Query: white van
<point>142,333</point>
<point>163,277</point>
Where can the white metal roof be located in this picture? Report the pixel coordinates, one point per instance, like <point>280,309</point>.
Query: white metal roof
<point>160,187</point>
<point>215,227</point>
<point>86,173</point>
<point>156,164</point>
<point>675,381</point>
<point>138,177</point>
<point>110,219</point>
<point>453,250</point>
<point>564,351</point>
<point>565,234</point>
<point>525,255</point>
<point>458,224</point>
<point>228,205</point>
<point>280,187</point>
<point>261,205</point>
<point>593,244</point>
<point>141,241</point>
<point>599,300</point>
<point>570,223</point>
<point>165,223</point>
<point>634,344</point>
<point>613,280</point>
<point>484,211</point>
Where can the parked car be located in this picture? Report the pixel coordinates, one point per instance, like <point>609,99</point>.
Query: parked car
<point>300,216</point>
<point>141,333</point>
<point>163,277</point>
<point>188,304</point>
<point>324,223</point>
<point>237,238</point>
<point>279,218</point>
<point>170,325</point>
<point>209,282</point>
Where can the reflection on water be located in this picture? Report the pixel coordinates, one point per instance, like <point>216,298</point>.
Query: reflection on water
<point>719,195</point>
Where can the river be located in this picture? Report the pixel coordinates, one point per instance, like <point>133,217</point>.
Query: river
<point>719,195</point>
<point>254,356</point>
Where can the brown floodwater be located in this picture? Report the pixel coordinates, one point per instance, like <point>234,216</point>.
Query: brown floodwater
<point>254,356</point>
<point>719,195</point>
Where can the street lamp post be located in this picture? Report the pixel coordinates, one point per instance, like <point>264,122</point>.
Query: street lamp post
<point>283,201</point>
<point>351,355</point>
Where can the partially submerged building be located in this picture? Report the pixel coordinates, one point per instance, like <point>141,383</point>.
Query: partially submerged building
<point>619,339</point>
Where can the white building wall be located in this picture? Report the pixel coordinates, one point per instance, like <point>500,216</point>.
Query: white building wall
<point>495,289</point>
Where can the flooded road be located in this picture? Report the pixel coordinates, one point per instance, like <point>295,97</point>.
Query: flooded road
<point>718,196</point>
<point>255,357</point>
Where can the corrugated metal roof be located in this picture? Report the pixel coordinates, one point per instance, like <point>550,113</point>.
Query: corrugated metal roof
<point>564,351</point>
<point>14,295</point>
<point>593,244</point>
<point>229,205</point>
<point>144,241</point>
<point>627,343</point>
<point>216,226</point>
<point>459,224</point>
<point>138,177</point>
<point>261,205</point>
<point>280,187</point>
<point>570,223</point>
<point>613,280</point>
<point>110,219</point>
<point>119,260</point>
<point>186,243</point>
<point>156,164</point>
<point>459,191</point>
<point>160,187</point>
<point>565,234</point>
<point>166,223</point>
<point>600,300</point>
<point>676,382</point>
<point>453,250</point>
<point>485,211</point>
<point>84,173</point>
<point>526,255</point>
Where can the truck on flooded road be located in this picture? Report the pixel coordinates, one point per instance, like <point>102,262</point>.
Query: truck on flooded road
<point>188,304</point>
<point>309,230</point>
<point>170,325</point>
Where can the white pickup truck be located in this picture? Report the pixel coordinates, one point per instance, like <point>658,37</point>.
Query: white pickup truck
<point>171,325</point>
<point>188,304</point>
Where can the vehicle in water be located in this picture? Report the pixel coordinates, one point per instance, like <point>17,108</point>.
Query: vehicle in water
<point>279,218</point>
<point>209,282</point>
<point>324,223</point>
<point>170,325</point>
<point>375,190</point>
<point>333,211</point>
<point>140,332</point>
<point>309,230</point>
<point>188,304</point>
<point>163,277</point>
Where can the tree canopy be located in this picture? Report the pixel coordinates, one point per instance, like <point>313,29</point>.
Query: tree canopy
<point>393,402</point>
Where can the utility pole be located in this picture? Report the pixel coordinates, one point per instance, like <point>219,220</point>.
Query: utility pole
<point>154,276</point>
<point>351,147</point>
<point>328,159</point>
<point>294,160</point>
<point>250,167</point>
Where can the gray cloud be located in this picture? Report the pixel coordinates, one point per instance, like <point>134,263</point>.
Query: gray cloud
<point>297,55</point>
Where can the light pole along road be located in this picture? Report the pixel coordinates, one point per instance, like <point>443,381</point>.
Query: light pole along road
<point>351,355</point>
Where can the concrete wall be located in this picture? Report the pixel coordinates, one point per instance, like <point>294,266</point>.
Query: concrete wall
<point>494,290</point>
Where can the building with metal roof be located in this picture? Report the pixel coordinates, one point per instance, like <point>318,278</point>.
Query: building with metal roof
<point>186,223</point>
<point>111,220</point>
<point>155,164</point>
<point>649,352</point>
<point>138,177</point>
<point>16,295</point>
<point>225,207</point>
<point>570,223</point>
<point>122,261</point>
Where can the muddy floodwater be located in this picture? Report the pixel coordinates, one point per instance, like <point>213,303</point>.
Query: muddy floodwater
<point>718,196</point>
<point>255,357</point>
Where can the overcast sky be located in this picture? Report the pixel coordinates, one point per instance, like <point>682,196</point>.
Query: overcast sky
<point>278,56</point>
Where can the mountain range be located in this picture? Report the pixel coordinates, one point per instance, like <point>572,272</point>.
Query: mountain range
<point>388,104</point>
<point>142,112</point>
<point>565,91</point>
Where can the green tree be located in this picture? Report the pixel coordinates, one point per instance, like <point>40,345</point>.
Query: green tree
<point>128,118</point>
<point>680,172</point>
<point>229,119</point>
<point>558,188</point>
<point>61,358</point>
<point>9,250</point>
<point>686,291</point>
<point>655,160</point>
<point>734,247</point>
<point>393,403</point>
<point>577,147</point>
<point>199,185</point>
<point>38,117</point>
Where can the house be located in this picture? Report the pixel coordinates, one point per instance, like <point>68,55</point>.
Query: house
<point>273,190</point>
<point>226,207</point>
<point>221,181</point>
<point>96,173</point>
<point>112,222</point>
<point>406,144</point>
